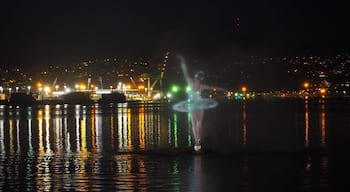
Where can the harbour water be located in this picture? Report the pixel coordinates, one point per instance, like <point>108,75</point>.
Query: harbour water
<point>248,145</point>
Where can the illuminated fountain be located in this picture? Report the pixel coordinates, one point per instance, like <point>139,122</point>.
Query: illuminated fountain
<point>195,104</point>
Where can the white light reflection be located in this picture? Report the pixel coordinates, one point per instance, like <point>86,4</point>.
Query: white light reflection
<point>98,129</point>
<point>30,153</point>
<point>44,155</point>
<point>47,129</point>
<point>30,137</point>
<point>30,144</point>
<point>66,134</point>
<point>77,127</point>
<point>57,125</point>
<point>40,133</point>
<point>2,137</point>
<point>2,150</point>
<point>122,126</point>
<point>11,136</point>
<point>17,137</point>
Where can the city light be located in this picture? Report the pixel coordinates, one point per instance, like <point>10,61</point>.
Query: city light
<point>323,92</point>
<point>47,90</point>
<point>140,85</point>
<point>156,96</point>
<point>175,88</point>
<point>82,87</point>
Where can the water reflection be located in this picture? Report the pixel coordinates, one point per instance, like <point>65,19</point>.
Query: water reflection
<point>80,129</point>
<point>316,173</point>
<point>306,123</point>
<point>147,146</point>
<point>244,122</point>
<point>66,144</point>
<point>323,123</point>
<point>146,173</point>
<point>313,122</point>
<point>2,137</point>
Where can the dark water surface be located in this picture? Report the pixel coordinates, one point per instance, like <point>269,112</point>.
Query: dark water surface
<point>253,145</point>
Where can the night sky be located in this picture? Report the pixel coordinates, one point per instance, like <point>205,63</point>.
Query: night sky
<point>39,33</point>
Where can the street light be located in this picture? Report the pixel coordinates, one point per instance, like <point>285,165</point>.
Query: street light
<point>244,89</point>
<point>323,92</point>
<point>10,91</point>
<point>47,90</point>
<point>306,86</point>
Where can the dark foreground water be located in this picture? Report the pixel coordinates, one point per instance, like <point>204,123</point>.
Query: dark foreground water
<point>254,145</point>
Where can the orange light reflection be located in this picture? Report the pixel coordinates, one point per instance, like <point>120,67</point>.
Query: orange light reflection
<point>306,123</point>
